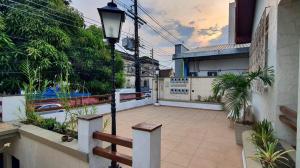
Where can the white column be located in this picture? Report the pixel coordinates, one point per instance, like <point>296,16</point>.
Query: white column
<point>87,125</point>
<point>146,145</point>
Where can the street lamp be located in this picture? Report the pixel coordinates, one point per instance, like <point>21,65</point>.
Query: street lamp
<point>157,78</point>
<point>112,19</point>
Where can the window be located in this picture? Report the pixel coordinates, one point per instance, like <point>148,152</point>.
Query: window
<point>212,73</point>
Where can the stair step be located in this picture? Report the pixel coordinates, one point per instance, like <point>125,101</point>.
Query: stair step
<point>288,111</point>
<point>288,122</point>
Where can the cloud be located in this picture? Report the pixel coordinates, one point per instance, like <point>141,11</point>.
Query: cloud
<point>222,39</point>
<point>209,31</point>
<point>184,32</point>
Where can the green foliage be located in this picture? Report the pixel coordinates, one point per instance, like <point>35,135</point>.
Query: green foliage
<point>270,156</point>
<point>268,152</point>
<point>235,89</point>
<point>210,99</point>
<point>53,38</point>
<point>49,123</point>
<point>263,134</point>
<point>92,62</point>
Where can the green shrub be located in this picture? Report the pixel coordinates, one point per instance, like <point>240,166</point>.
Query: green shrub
<point>49,123</point>
<point>263,134</point>
<point>270,156</point>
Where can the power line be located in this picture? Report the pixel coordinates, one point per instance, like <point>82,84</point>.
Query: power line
<point>150,26</point>
<point>62,22</point>
<point>1,4</point>
<point>156,21</point>
<point>123,32</point>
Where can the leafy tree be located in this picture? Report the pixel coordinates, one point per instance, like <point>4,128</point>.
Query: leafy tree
<point>52,36</point>
<point>92,62</point>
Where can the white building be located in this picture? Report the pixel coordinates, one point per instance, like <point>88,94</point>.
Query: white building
<point>212,60</point>
<point>148,67</point>
<point>275,42</point>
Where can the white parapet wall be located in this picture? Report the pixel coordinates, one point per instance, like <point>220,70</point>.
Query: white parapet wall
<point>40,148</point>
<point>196,105</point>
<point>13,108</point>
<point>103,108</point>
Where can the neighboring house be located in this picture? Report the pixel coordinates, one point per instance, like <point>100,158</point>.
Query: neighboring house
<point>275,38</point>
<point>211,60</point>
<point>215,60</point>
<point>148,67</point>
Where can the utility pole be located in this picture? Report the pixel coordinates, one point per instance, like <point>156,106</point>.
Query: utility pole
<point>136,52</point>
<point>153,65</point>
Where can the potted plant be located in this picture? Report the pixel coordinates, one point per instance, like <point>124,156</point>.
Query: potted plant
<point>235,88</point>
<point>269,151</point>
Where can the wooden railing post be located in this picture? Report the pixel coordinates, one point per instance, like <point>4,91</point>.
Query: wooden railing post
<point>146,145</point>
<point>87,125</point>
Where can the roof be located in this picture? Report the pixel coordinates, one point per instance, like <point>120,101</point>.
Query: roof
<point>147,60</point>
<point>143,60</point>
<point>217,50</point>
<point>245,13</point>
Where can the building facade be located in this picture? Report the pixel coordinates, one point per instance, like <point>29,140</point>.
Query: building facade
<point>212,60</point>
<point>275,38</point>
<point>148,67</point>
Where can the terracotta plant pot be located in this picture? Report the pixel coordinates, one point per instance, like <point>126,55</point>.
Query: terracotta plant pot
<point>239,129</point>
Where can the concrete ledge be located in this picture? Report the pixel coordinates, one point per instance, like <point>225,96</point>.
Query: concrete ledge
<point>249,150</point>
<point>196,105</point>
<point>53,140</point>
<point>8,131</point>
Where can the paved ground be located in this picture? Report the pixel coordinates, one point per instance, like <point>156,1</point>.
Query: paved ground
<point>191,138</point>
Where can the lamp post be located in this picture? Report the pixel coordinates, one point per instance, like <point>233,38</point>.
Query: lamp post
<point>112,19</point>
<point>157,78</point>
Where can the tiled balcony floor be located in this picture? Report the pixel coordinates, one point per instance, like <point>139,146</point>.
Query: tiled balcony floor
<point>191,138</point>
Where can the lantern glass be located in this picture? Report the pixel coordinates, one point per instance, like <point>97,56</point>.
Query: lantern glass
<point>112,23</point>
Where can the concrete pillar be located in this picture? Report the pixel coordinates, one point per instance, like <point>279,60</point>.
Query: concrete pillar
<point>146,145</point>
<point>87,125</point>
<point>13,108</point>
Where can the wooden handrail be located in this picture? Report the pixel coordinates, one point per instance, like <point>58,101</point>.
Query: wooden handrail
<point>126,142</point>
<point>288,112</point>
<point>114,156</point>
<point>288,122</point>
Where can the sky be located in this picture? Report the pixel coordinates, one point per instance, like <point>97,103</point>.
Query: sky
<point>196,22</point>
